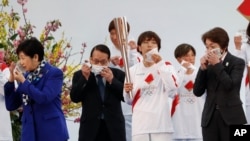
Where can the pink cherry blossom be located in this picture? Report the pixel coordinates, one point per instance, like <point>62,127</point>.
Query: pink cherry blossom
<point>22,2</point>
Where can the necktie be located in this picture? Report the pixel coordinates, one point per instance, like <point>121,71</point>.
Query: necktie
<point>101,86</point>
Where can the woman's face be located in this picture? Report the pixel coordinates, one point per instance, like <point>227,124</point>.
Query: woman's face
<point>28,63</point>
<point>147,45</point>
<point>189,57</point>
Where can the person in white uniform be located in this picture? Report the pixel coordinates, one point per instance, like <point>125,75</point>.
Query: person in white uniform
<point>153,81</point>
<point>189,107</point>
<point>5,122</point>
<point>117,62</point>
<point>243,51</point>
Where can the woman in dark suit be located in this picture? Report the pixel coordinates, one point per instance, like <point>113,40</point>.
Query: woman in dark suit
<point>220,76</point>
<point>38,92</point>
<point>100,89</point>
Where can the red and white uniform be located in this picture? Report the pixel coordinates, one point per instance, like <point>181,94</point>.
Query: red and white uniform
<point>133,58</point>
<point>244,53</point>
<point>188,108</point>
<point>152,86</point>
<point>5,123</point>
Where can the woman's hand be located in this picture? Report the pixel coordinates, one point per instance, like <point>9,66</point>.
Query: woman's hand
<point>18,76</point>
<point>12,68</point>
<point>128,87</point>
<point>237,42</point>
<point>156,58</point>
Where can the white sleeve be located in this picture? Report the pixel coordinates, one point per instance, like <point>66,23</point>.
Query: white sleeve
<point>127,98</point>
<point>242,52</point>
<point>4,76</point>
<point>133,57</point>
<point>170,78</point>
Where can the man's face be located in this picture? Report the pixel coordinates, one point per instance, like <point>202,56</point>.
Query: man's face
<point>114,38</point>
<point>99,58</point>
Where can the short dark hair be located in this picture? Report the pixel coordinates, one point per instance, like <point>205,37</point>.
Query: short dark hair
<point>30,47</point>
<point>112,26</point>
<point>149,35</point>
<point>102,48</point>
<point>182,49</point>
<point>217,35</point>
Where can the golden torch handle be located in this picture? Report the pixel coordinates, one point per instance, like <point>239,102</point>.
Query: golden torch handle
<point>122,35</point>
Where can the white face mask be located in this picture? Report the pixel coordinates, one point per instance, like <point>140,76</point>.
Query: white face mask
<point>191,66</point>
<point>19,67</point>
<point>97,69</point>
<point>150,53</point>
<point>217,51</point>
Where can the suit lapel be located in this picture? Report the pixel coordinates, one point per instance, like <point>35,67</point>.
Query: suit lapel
<point>226,65</point>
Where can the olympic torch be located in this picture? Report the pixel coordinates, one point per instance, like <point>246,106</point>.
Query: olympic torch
<point>122,35</point>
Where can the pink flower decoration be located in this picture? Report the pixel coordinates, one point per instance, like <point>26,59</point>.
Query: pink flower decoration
<point>22,2</point>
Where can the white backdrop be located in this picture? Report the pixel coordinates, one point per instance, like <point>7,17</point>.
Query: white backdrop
<point>176,21</point>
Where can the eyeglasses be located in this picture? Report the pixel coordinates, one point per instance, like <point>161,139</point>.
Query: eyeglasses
<point>102,62</point>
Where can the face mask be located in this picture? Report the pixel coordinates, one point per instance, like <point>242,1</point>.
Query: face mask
<point>150,53</point>
<point>191,66</point>
<point>217,51</point>
<point>97,69</point>
<point>19,67</point>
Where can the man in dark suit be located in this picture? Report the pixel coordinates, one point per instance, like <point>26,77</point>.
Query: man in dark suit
<point>219,77</point>
<point>102,117</point>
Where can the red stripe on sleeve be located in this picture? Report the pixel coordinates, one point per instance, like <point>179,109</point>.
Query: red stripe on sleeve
<point>247,80</point>
<point>174,104</point>
<point>137,96</point>
<point>174,80</point>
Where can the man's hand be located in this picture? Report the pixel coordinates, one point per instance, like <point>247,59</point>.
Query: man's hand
<point>107,74</point>
<point>86,69</point>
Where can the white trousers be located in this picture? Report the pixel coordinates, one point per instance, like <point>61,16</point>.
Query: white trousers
<point>248,114</point>
<point>187,140</point>
<point>153,137</point>
<point>128,123</point>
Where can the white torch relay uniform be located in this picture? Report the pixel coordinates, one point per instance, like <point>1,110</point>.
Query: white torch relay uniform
<point>5,123</point>
<point>152,86</point>
<point>133,58</point>
<point>244,53</point>
<point>187,115</point>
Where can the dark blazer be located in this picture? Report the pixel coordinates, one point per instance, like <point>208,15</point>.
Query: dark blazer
<point>42,119</point>
<point>222,83</point>
<point>87,92</point>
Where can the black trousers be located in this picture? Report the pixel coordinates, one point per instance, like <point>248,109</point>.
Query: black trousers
<point>217,130</point>
<point>103,134</point>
